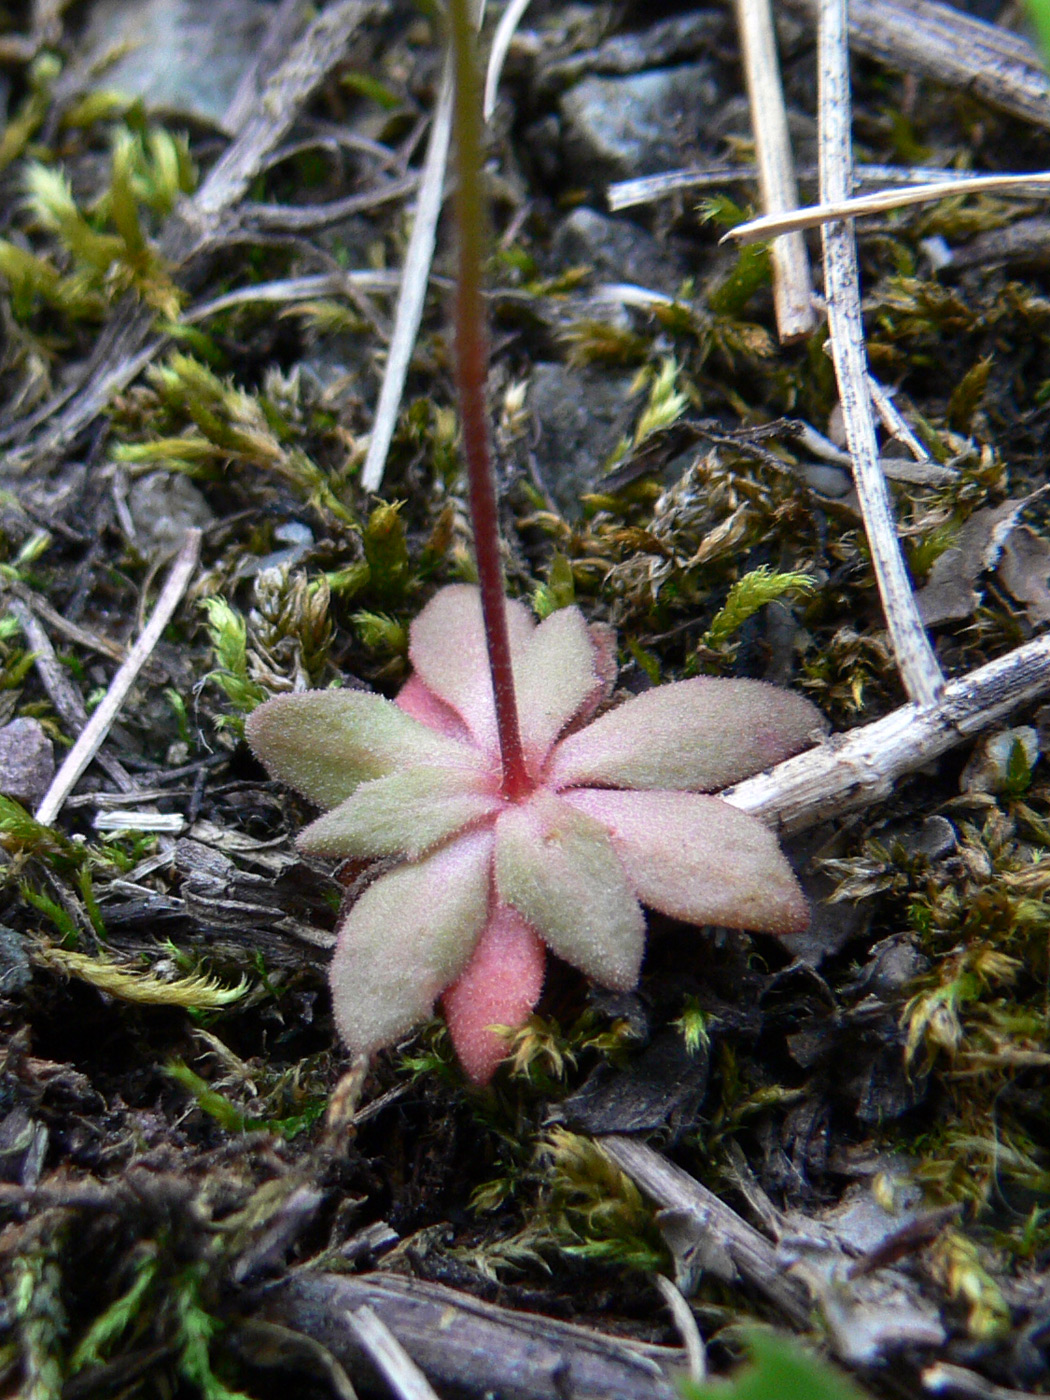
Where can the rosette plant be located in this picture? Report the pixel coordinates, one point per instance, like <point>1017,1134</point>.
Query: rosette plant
<point>511,806</point>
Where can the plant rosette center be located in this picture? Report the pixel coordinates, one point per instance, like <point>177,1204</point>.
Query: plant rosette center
<point>614,813</point>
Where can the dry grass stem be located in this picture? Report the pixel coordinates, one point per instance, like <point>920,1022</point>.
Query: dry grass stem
<point>853,206</point>
<point>287,291</point>
<point>476,1347</point>
<point>859,768</point>
<point>941,42</point>
<point>736,1250</point>
<point>414,279</point>
<point>625,194</point>
<point>894,423</point>
<point>72,632</point>
<point>685,1323</point>
<point>60,690</point>
<point>280,34</point>
<point>389,1357</point>
<point>501,41</point>
<point>303,218</point>
<point>97,727</point>
<point>792,279</point>
<point>919,670</point>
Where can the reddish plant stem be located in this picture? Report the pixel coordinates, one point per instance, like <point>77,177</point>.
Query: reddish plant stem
<point>471,364</point>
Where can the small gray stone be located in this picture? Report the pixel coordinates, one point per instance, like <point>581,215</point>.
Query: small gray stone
<point>581,415</point>
<point>827,481</point>
<point>618,127</point>
<point>186,57</point>
<point>163,506</point>
<point>936,837</point>
<point>618,251</point>
<point>27,761</point>
<point>989,766</point>
<point>894,963</point>
<point>16,971</point>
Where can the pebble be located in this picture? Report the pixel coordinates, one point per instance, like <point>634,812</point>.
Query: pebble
<point>617,250</point>
<point>581,415</point>
<point>27,761</point>
<point>188,56</point>
<point>613,128</point>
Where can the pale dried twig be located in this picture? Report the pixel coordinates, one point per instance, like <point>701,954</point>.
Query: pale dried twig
<point>269,120</point>
<point>807,1271</point>
<point>924,471</point>
<point>915,659</point>
<point>467,1346</point>
<point>136,819</point>
<point>508,23</point>
<point>389,1357</point>
<point>300,218</point>
<point>685,1322</point>
<point>943,1378</point>
<point>987,61</point>
<point>288,290</point>
<point>91,641</point>
<point>98,725</point>
<point>736,1249</point>
<point>792,280</point>
<point>860,767</point>
<point>894,423</point>
<point>880,202</point>
<point>414,279</point>
<point>646,188</point>
<point>280,34</point>
<point>61,692</point>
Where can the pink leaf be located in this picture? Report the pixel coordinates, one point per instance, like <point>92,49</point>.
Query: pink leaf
<point>326,742</point>
<point>422,704</point>
<point>558,868</point>
<point>407,938</point>
<point>554,675</point>
<point>554,670</point>
<point>606,667</point>
<point>697,735</point>
<point>699,859</point>
<point>405,813</point>
<point>499,987</point>
<point>447,648</point>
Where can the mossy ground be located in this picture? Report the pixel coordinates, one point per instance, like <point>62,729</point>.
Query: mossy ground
<point>171,1058</point>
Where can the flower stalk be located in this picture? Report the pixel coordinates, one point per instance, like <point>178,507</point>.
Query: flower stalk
<point>471,363</point>
<point>524,810</point>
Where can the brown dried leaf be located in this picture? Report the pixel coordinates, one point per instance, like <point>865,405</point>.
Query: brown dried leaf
<point>1025,568</point>
<point>951,591</point>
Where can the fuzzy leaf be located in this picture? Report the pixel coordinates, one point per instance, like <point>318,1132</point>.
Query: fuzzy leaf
<point>699,859</point>
<point>326,742</point>
<point>406,813</point>
<point>696,735</point>
<point>558,868</point>
<point>555,676</point>
<point>554,668</point>
<point>447,648</point>
<point>499,987</point>
<point>421,703</point>
<point>407,937</point>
